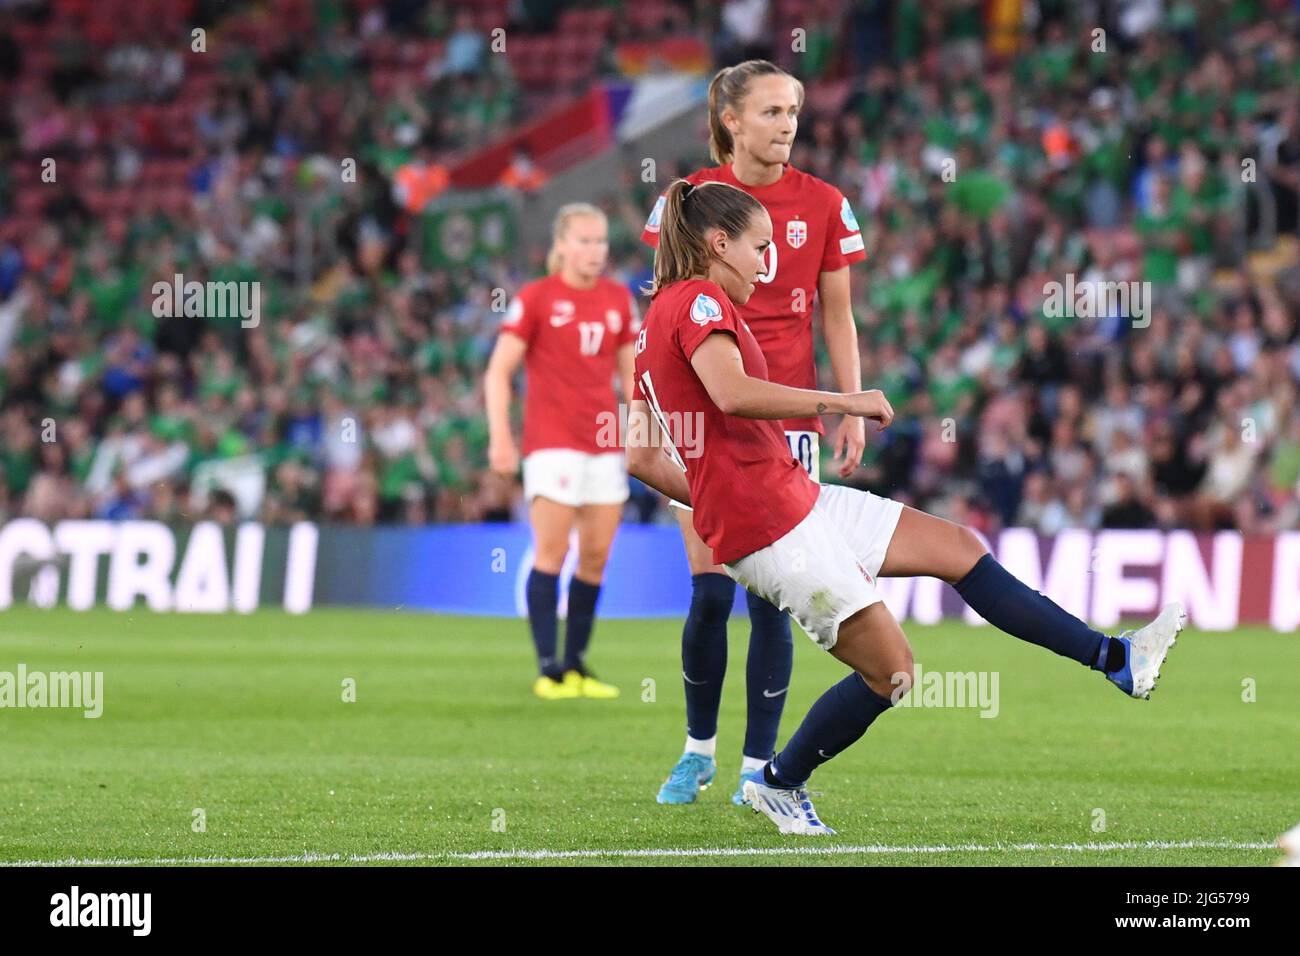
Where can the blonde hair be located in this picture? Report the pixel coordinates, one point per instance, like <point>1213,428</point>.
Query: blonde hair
<point>689,212</point>
<point>727,90</point>
<point>554,259</point>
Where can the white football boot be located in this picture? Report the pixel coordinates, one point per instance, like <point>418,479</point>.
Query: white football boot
<point>1145,650</point>
<point>789,809</point>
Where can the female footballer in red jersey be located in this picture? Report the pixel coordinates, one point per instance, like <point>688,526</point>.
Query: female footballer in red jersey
<point>814,550</point>
<point>753,115</point>
<point>573,331</point>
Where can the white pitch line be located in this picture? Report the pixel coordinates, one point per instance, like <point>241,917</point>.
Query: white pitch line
<point>834,850</point>
<point>504,855</point>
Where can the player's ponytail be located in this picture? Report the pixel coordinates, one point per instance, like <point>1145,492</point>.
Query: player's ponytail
<point>690,212</point>
<point>554,258</point>
<point>726,91</point>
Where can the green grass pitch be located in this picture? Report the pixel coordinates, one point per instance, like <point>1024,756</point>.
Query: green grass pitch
<point>445,753</point>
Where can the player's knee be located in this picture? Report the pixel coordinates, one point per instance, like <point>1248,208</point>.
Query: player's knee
<point>549,560</point>
<point>712,596</point>
<point>969,549</point>
<point>970,543</point>
<point>902,679</point>
<point>591,564</point>
<point>892,675</point>
<point>768,619</point>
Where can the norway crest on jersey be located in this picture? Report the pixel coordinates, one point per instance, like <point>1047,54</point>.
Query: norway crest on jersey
<point>796,233</point>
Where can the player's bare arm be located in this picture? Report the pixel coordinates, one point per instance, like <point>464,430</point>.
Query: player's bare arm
<point>647,457</point>
<point>841,336</point>
<point>626,370</point>
<point>507,355</point>
<point>718,364</point>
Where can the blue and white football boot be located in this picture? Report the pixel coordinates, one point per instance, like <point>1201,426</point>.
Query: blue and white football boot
<point>789,809</point>
<point>1145,650</point>
<point>691,774</point>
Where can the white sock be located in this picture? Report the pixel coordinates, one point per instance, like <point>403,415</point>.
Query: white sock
<point>707,748</point>
<point>748,763</point>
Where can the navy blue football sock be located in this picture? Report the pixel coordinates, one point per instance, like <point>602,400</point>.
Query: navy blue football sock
<point>834,723</point>
<point>1117,655</point>
<point>577,629</point>
<point>1110,656</point>
<point>704,651</point>
<point>1012,606</point>
<point>767,675</point>
<point>543,594</point>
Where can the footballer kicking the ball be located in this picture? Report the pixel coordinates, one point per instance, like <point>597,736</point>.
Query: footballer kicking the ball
<point>753,118</point>
<point>813,550</point>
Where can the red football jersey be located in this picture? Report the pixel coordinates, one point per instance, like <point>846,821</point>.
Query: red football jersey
<point>813,231</point>
<point>573,338</point>
<point>746,490</point>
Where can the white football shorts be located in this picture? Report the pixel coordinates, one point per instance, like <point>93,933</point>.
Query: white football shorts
<point>824,569</point>
<point>576,478</point>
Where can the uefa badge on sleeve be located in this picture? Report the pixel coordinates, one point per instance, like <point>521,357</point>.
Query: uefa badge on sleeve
<point>846,216</point>
<point>514,312</point>
<point>705,309</point>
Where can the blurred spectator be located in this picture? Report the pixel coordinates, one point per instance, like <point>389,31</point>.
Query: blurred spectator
<point>523,174</point>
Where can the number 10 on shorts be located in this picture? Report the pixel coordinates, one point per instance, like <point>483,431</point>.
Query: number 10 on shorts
<point>805,449</point>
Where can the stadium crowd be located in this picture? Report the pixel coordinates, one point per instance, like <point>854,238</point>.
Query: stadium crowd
<point>1140,142</point>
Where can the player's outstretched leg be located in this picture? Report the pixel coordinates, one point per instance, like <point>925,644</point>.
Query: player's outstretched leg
<point>871,642</point>
<point>704,665</point>
<point>767,679</point>
<point>923,544</point>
